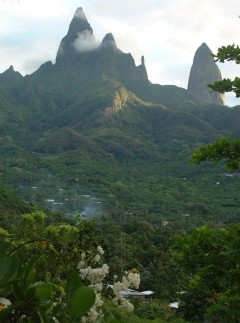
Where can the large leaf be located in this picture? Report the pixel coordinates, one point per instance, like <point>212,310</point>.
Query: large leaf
<point>31,277</point>
<point>83,299</point>
<point>73,282</point>
<point>29,271</point>
<point>6,289</point>
<point>44,291</point>
<point>4,246</point>
<point>8,267</point>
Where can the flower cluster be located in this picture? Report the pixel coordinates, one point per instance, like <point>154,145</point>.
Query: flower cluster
<point>94,311</point>
<point>94,277</point>
<point>129,280</point>
<point>93,271</point>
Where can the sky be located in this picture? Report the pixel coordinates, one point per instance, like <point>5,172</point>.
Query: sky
<point>166,32</point>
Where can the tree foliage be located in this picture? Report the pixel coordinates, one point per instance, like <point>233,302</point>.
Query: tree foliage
<point>227,53</point>
<point>224,148</point>
<point>210,259</point>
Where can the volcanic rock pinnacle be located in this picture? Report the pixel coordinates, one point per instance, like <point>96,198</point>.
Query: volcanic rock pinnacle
<point>78,39</point>
<point>203,72</point>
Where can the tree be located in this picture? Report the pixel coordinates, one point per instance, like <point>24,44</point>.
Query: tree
<point>224,148</point>
<point>227,53</point>
<point>210,259</point>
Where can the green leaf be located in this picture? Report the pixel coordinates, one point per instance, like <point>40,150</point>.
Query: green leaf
<point>82,300</point>
<point>31,277</point>
<point>44,291</point>
<point>6,289</point>
<point>73,282</point>
<point>17,290</point>
<point>4,246</point>
<point>30,293</point>
<point>29,271</point>
<point>8,267</point>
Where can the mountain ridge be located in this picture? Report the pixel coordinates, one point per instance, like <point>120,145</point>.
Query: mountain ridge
<point>81,90</point>
<point>95,125</point>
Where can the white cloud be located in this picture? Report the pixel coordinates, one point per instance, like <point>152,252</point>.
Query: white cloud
<point>85,42</point>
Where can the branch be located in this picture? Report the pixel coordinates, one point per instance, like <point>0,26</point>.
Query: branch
<point>32,241</point>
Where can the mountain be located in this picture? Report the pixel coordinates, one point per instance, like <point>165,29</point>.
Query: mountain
<point>10,76</point>
<point>78,39</point>
<point>203,72</point>
<point>93,122</point>
<point>80,47</point>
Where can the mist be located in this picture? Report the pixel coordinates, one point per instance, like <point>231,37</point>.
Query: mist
<point>85,42</point>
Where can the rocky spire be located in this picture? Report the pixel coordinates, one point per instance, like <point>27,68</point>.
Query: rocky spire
<point>107,59</point>
<point>78,24</point>
<point>142,71</point>
<point>78,39</point>
<point>10,76</point>
<point>109,42</point>
<point>204,71</point>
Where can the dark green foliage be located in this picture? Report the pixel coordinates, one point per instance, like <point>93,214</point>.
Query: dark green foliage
<point>227,85</point>
<point>225,148</point>
<point>17,284</point>
<point>228,53</point>
<point>79,298</point>
<point>210,259</point>
<point>11,206</point>
<point>32,300</point>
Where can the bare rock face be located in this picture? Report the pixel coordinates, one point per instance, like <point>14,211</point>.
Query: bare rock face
<point>79,39</point>
<point>79,47</point>
<point>203,72</point>
<point>109,42</point>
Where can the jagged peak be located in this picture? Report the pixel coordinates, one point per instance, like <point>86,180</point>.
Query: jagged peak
<point>79,14</point>
<point>9,76</point>
<point>78,24</point>
<point>78,39</point>
<point>203,72</point>
<point>109,41</point>
<point>108,37</point>
<point>11,69</point>
<point>203,53</point>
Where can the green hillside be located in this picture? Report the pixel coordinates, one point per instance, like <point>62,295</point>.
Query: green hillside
<point>125,143</point>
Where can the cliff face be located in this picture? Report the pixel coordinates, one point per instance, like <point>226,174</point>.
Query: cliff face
<point>204,71</point>
<point>80,47</point>
<point>79,39</point>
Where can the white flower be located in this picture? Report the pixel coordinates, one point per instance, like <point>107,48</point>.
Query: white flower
<point>97,287</point>
<point>126,305</point>
<point>5,302</point>
<point>81,264</point>
<point>94,312</point>
<point>97,258</point>
<point>134,279</point>
<point>100,250</point>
